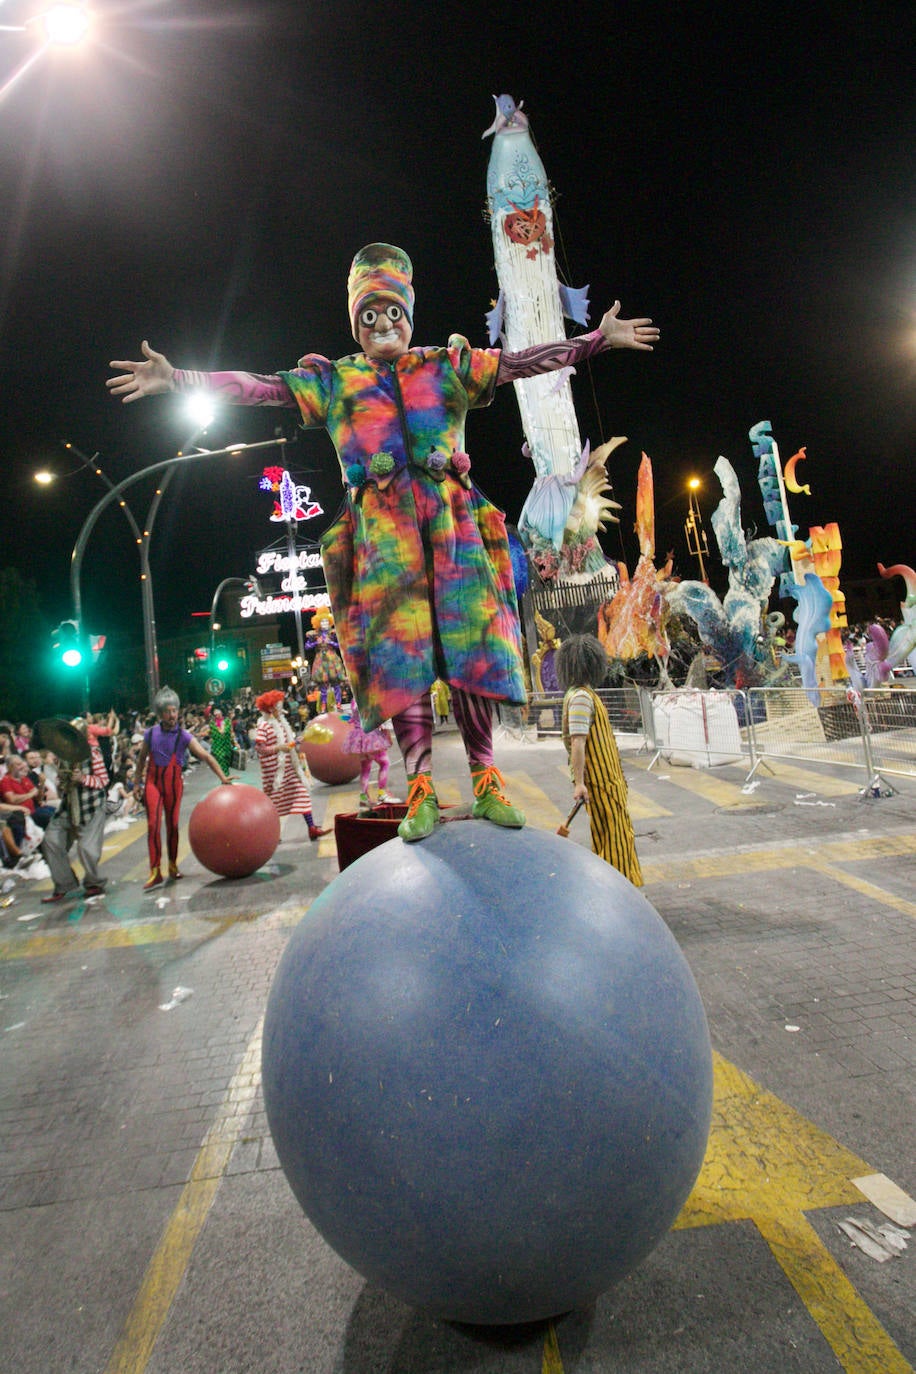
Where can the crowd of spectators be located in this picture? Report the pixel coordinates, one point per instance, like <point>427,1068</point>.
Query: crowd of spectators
<point>29,790</point>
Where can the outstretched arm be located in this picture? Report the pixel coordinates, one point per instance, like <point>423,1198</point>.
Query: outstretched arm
<point>642,334</point>
<point>155,375</point>
<point>613,332</point>
<point>150,377</point>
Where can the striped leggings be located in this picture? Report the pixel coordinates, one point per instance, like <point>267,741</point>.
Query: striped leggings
<point>164,788</point>
<point>413,730</point>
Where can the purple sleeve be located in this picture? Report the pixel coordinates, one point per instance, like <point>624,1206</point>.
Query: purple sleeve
<point>184,739</point>
<point>236,388</point>
<point>549,357</point>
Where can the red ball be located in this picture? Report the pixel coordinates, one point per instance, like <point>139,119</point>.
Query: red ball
<point>234,830</point>
<point>325,757</point>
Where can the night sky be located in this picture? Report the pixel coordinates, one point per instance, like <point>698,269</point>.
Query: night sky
<point>202,175</point>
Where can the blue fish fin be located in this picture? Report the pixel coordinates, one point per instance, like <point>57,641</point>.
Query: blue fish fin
<point>494,318</point>
<point>574,301</point>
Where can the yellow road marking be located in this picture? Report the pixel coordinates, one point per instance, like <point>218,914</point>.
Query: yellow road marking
<point>70,939</point>
<point>863,887</point>
<point>808,781</point>
<point>857,1338</point>
<point>541,812</point>
<point>644,808</point>
<point>790,774</point>
<point>717,791</point>
<point>771,859</point>
<point>764,1163</point>
<point>740,864</point>
<point>173,1253</point>
<point>767,1163</point>
<point>551,1362</point>
<point>449,793</point>
<point>80,940</point>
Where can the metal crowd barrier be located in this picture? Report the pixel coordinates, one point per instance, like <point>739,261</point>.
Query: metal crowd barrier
<point>875,733</point>
<point>624,706</point>
<point>890,720</point>
<point>786,724</point>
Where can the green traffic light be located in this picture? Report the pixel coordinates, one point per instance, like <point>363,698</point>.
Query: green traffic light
<point>65,641</point>
<point>222,664</point>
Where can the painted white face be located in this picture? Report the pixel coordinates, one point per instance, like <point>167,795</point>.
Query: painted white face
<point>384,329</point>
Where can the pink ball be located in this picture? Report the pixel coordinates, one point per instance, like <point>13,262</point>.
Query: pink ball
<point>325,757</point>
<point>234,830</point>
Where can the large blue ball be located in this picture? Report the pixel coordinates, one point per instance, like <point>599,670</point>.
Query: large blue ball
<point>487,1072</point>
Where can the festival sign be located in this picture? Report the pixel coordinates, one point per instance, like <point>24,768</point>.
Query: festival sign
<point>276,662</point>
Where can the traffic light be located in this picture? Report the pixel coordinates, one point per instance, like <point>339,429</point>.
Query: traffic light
<point>221,661</point>
<point>65,642</point>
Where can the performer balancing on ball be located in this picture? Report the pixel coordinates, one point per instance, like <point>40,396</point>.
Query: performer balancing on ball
<point>417,564</point>
<point>159,768</point>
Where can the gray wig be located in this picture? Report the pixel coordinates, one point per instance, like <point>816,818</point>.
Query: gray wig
<point>164,698</point>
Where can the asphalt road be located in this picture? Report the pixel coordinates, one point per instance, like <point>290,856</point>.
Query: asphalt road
<point>146,1225</point>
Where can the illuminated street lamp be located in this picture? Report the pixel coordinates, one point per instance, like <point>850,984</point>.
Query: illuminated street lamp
<point>199,410</point>
<point>693,526</point>
<point>64,25</point>
<point>142,539</point>
<point>79,548</point>
<point>59,26</point>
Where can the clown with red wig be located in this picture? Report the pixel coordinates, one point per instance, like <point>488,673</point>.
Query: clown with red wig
<point>283,773</point>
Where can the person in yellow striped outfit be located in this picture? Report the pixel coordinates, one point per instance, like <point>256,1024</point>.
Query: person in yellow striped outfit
<point>597,776</point>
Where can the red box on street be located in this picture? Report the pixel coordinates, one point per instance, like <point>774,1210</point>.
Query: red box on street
<point>356,833</point>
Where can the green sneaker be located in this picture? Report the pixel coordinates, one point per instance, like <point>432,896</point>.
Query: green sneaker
<point>364,802</point>
<point>490,804</point>
<point>422,809</point>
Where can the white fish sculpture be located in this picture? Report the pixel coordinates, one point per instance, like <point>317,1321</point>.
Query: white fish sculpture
<point>530,309</point>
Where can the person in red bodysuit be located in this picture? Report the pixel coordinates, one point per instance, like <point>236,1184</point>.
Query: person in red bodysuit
<point>162,754</point>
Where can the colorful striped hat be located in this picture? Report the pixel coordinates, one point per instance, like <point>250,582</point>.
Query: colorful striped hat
<point>379,269</point>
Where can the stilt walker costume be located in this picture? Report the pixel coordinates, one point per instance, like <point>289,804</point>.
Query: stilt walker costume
<point>283,773</point>
<point>417,564</point>
<point>326,670</point>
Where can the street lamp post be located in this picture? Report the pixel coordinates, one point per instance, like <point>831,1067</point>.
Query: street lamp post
<point>150,647</point>
<point>249,583</point>
<point>76,560</point>
<point>693,526</point>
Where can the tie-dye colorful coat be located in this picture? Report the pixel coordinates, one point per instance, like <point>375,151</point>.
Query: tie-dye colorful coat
<point>417,564</point>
